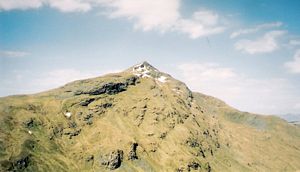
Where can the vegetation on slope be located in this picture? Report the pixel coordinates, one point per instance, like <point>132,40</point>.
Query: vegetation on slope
<point>139,120</point>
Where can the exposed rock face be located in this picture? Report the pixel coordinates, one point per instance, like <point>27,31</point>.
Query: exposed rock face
<point>73,133</point>
<point>192,142</point>
<point>88,118</point>
<point>31,123</point>
<point>132,80</point>
<point>112,160</point>
<point>132,153</point>
<point>56,132</point>
<point>19,163</point>
<point>109,88</point>
<point>86,102</point>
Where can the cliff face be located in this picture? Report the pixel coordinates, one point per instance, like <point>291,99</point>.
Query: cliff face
<point>139,120</point>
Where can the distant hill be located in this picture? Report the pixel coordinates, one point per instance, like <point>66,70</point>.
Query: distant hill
<point>291,117</point>
<point>140,119</point>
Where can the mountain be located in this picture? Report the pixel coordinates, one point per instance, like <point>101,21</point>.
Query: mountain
<point>291,117</point>
<point>140,119</point>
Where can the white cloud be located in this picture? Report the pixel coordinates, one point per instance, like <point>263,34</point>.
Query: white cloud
<point>294,66</point>
<point>203,23</point>
<point>146,15</point>
<point>297,106</point>
<point>70,5</point>
<point>62,5</point>
<point>268,43</point>
<point>294,42</point>
<point>164,16</point>
<point>19,4</point>
<point>206,70</point>
<point>255,29</point>
<point>267,96</point>
<point>13,53</point>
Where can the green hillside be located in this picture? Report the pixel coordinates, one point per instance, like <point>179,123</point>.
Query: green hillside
<point>139,120</point>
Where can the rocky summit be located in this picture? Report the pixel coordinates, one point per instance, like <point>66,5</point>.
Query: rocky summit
<point>140,119</point>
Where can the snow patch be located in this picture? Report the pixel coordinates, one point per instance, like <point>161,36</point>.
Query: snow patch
<point>162,79</point>
<point>68,114</point>
<point>141,70</point>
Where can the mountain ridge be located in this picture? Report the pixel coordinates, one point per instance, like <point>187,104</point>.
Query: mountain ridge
<point>140,119</point>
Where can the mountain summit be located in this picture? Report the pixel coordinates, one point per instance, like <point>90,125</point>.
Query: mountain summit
<point>147,70</point>
<point>140,119</point>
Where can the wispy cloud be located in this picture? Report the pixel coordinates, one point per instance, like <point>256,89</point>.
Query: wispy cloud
<point>164,16</point>
<point>62,5</point>
<point>20,4</point>
<point>13,53</point>
<point>270,95</point>
<point>294,42</point>
<point>266,44</point>
<point>70,5</point>
<point>255,29</point>
<point>294,65</point>
<point>146,15</point>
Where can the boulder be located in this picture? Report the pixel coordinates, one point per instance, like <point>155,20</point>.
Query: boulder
<point>29,123</point>
<point>112,160</point>
<point>132,153</point>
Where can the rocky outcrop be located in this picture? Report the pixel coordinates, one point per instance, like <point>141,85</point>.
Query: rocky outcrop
<point>56,132</point>
<point>192,142</point>
<point>19,163</point>
<point>110,88</point>
<point>86,102</point>
<point>31,123</point>
<point>72,133</point>
<point>132,80</point>
<point>112,160</point>
<point>89,158</point>
<point>88,119</point>
<point>132,153</point>
<point>193,166</point>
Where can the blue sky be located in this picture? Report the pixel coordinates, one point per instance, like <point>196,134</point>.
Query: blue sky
<point>246,53</point>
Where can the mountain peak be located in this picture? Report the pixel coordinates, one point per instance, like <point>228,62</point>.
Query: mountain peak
<point>145,65</point>
<point>144,69</point>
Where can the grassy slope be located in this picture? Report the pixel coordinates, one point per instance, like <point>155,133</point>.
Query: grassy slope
<point>163,118</point>
<point>262,143</point>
